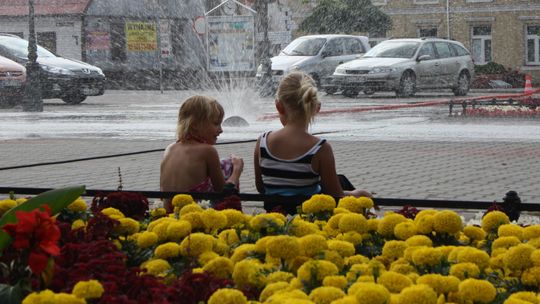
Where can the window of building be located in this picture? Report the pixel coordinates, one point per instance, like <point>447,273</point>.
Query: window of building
<point>118,42</point>
<point>47,40</point>
<point>481,44</point>
<point>427,31</point>
<point>533,45</point>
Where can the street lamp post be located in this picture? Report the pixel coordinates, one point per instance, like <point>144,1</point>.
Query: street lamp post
<point>32,101</point>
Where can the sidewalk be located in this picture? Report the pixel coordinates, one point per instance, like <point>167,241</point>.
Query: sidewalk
<point>393,169</point>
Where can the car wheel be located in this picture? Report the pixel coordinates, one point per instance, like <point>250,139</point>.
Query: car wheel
<point>369,92</point>
<point>349,93</point>
<point>407,85</point>
<point>330,90</point>
<point>74,99</point>
<point>463,85</point>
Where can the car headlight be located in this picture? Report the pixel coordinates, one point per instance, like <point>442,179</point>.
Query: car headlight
<point>380,70</point>
<point>56,70</point>
<point>100,72</point>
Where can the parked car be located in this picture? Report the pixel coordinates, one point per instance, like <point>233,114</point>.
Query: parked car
<point>317,55</point>
<point>12,80</point>
<point>406,66</point>
<point>68,79</point>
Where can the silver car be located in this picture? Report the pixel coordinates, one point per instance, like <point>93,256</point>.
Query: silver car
<point>406,66</point>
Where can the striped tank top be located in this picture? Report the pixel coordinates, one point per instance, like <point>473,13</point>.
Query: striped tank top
<point>288,176</point>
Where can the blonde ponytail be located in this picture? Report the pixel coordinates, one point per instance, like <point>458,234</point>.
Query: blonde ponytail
<point>298,92</point>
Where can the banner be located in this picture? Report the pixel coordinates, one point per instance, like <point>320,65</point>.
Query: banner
<point>97,40</point>
<point>141,36</point>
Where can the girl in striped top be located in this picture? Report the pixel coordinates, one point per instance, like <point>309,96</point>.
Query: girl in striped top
<point>291,161</point>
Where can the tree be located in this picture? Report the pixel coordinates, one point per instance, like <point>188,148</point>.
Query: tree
<point>346,16</point>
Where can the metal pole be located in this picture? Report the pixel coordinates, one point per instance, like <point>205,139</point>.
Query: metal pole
<point>32,101</point>
<point>448,19</point>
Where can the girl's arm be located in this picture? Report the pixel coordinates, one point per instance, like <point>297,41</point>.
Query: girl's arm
<point>258,177</point>
<point>327,171</point>
<point>238,167</point>
<point>213,167</point>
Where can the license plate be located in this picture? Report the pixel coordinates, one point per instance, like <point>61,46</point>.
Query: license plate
<point>356,79</point>
<point>89,91</point>
<point>10,83</point>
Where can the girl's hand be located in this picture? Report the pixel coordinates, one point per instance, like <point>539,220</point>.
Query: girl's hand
<point>238,163</point>
<point>359,193</point>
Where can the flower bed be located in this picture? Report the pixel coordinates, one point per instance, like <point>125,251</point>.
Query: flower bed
<point>503,111</point>
<point>332,252</point>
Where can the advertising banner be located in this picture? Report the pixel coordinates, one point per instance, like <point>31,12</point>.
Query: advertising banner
<point>97,40</point>
<point>141,36</point>
<point>230,43</point>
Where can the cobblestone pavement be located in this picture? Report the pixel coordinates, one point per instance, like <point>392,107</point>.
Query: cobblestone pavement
<point>480,171</point>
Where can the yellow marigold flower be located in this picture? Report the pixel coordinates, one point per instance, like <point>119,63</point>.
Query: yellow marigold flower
<point>249,273</point>
<point>477,291</point>
<point>445,250</point>
<point>447,221</point>
<point>319,203</point>
<point>419,240</point>
<point>161,231</point>
<point>6,204</point>
<point>316,269</point>
<point>45,296</point>
<point>373,224</point>
<point>338,281</point>
<point>357,205</point>
<point>366,202</point>
<point>369,269</point>
<point>416,294</point>
<point>474,233</point>
<point>531,277</point>
<point>346,300</point>
<point>78,224</point>
<point>312,244</point>
<point>334,257</point>
<point>147,239</point>
<point>66,298</point>
<point>279,276</point>
<point>394,281</point>
<point>405,230</point>
<point>190,208</point>
<point>221,267</point>
<point>181,200</point>
<point>295,296</point>
<point>372,293</point>
<point>523,297</point>
<point>177,230</point>
<point>262,244</point>
<point>273,288</point>
<point>221,248</point>
<point>345,249</point>
<point>534,242</point>
<point>206,257</point>
<point>229,236</point>
<point>266,221</point>
<point>341,210</point>
<point>213,220</point>
<point>113,213</point>
<point>409,251</point>
<point>427,256</point>
<point>157,267</point>
<point>424,224</point>
<point>91,289</point>
<point>283,247</point>
<point>235,218</point>
<point>158,212</point>
<point>228,296</point>
<point>243,251</point>
<point>531,232</point>
<point>473,255</point>
<point>465,270</point>
<point>518,257</point>
<point>300,227</point>
<point>21,200</point>
<point>167,250</point>
<point>356,259</point>
<point>78,205</point>
<point>388,223</point>
<point>194,218</point>
<point>158,221</point>
<point>352,222</point>
<point>441,284</point>
<point>352,237</point>
<point>510,230</point>
<point>393,249</point>
<point>505,242</point>
<point>403,268</point>
<point>196,243</point>
<point>492,220</point>
<point>535,257</point>
<point>326,294</point>
<point>128,226</point>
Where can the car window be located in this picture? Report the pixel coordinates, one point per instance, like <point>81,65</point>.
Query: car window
<point>353,46</point>
<point>335,47</point>
<point>394,49</point>
<point>304,47</point>
<point>427,49</point>
<point>443,49</point>
<point>460,51</point>
<point>19,47</point>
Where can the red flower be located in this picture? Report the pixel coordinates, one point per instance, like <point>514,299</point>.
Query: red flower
<point>37,232</point>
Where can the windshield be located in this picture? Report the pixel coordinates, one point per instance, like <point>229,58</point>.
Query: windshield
<point>304,47</point>
<point>19,47</point>
<point>394,49</point>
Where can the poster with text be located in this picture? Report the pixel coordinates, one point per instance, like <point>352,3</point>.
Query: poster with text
<point>141,36</point>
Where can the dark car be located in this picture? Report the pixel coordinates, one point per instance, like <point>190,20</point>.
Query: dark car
<point>68,79</point>
<point>12,80</point>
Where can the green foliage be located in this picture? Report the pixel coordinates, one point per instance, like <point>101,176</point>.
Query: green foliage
<point>346,16</point>
<point>490,68</point>
<point>56,199</point>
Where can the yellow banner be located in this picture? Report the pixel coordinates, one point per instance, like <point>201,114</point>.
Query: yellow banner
<point>141,36</point>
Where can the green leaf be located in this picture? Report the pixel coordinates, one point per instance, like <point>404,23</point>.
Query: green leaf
<point>56,199</point>
<point>10,294</point>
